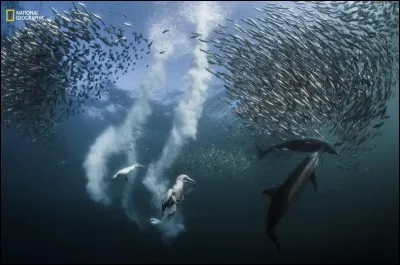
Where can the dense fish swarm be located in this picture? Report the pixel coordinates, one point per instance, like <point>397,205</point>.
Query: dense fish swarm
<point>51,68</point>
<point>326,68</point>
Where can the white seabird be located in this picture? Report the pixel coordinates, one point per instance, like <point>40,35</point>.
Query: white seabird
<point>175,195</point>
<point>125,171</point>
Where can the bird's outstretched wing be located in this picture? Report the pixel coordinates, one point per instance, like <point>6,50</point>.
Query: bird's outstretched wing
<point>167,201</point>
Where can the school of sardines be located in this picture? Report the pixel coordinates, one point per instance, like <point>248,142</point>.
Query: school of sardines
<point>50,68</point>
<point>327,68</point>
<point>322,68</point>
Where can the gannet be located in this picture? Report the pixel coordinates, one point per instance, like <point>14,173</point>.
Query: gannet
<point>174,196</point>
<point>125,171</point>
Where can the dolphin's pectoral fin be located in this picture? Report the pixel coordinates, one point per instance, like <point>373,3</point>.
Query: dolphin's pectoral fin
<point>313,179</point>
<point>260,153</point>
<point>271,191</point>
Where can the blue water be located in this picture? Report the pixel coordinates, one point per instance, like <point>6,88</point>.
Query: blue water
<point>48,217</point>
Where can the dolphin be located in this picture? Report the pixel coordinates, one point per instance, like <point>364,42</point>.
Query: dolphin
<point>283,196</point>
<point>174,196</point>
<point>303,145</point>
<point>125,171</point>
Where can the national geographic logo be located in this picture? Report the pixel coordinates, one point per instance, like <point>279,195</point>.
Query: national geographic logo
<point>10,15</point>
<point>13,15</point>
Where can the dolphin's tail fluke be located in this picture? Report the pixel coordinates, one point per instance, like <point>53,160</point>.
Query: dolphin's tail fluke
<point>260,153</point>
<point>272,235</point>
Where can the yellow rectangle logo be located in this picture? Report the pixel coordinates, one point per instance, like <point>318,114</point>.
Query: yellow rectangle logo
<point>10,15</point>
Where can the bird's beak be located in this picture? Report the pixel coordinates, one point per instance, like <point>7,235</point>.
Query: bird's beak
<point>138,165</point>
<point>190,180</point>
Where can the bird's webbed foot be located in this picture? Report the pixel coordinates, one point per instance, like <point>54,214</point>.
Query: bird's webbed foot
<point>178,201</point>
<point>170,216</point>
<point>170,213</point>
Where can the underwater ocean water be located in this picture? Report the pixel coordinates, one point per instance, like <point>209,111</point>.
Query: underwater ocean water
<point>59,203</point>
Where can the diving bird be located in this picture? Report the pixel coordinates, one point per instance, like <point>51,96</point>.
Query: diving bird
<point>283,196</point>
<point>155,221</point>
<point>174,196</point>
<point>302,145</point>
<point>125,171</point>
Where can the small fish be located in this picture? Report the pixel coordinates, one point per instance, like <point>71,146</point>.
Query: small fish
<point>165,31</point>
<point>61,162</point>
<point>378,125</point>
<point>82,5</point>
<point>54,11</point>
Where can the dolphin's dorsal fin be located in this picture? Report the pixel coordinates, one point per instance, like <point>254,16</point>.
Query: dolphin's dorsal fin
<point>260,152</point>
<point>313,180</point>
<point>271,191</point>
